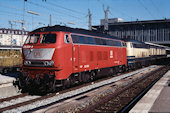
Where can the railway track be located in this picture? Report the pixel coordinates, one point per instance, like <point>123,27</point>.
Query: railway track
<point>13,97</point>
<point>54,97</point>
<point>21,100</point>
<point>125,98</point>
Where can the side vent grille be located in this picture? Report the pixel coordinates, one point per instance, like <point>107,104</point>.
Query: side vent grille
<point>91,56</point>
<point>105,55</point>
<point>99,55</point>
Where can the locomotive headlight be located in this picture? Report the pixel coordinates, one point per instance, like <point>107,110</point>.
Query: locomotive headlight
<point>48,63</point>
<point>27,62</point>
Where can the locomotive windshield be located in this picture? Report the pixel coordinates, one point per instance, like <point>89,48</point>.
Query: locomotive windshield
<point>48,38</point>
<point>32,39</point>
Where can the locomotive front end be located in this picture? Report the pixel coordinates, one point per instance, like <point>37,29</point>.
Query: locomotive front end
<point>38,71</point>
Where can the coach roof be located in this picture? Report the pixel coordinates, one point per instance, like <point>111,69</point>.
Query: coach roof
<point>73,30</point>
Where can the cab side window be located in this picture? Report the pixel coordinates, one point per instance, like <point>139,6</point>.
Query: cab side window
<point>66,39</point>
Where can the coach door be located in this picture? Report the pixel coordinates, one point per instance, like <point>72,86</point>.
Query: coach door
<point>76,58</point>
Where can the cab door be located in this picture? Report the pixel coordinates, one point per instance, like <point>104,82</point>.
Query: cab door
<point>76,55</point>
<point>121,56</point>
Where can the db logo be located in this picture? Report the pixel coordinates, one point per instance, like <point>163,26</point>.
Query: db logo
<point>37,54</point>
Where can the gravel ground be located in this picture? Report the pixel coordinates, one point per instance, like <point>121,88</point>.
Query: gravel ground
<point>6,79</point>
<point>10,95</point>
<point>74,92</point>
<point>6,86</point>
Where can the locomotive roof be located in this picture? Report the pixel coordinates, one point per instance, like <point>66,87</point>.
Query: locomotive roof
<point>134,41</point>
<point>73,30</point>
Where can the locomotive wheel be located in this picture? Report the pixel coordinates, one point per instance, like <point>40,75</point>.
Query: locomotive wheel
<point>66,83</point>
<point>51,87</point>
<point>86,77</point>
<point>92,75</point>
<point>123,68</point>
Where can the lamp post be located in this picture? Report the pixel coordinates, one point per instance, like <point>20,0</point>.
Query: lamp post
<point>11,32</point>
<point>33,13</point>
<point>23,28</point>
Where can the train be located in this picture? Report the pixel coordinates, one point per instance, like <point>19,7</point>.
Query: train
<point>143,53</point>
<point>10,58</point>
<point>57,57</point>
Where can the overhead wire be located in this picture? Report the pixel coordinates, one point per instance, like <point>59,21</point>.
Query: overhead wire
<point>61,13</point>
<point>123,13</point>
<point>56,11</point>
<point>10,13</point>
<point>157,8</point>
<point>9,6</point>
<point>146,9</point>
<point>68,9</point>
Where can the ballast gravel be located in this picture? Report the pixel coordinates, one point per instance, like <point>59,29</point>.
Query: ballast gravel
<point>5,79</point>
<point>16,101</point>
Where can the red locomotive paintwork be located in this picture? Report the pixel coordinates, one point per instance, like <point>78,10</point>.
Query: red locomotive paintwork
<point>72,58</point>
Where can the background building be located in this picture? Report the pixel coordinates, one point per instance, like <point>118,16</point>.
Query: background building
<point>154,31</point>
<point>11,37</point>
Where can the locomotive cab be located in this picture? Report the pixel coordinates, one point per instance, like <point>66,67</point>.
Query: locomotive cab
<point>45,57</point>
<point>39,49</point>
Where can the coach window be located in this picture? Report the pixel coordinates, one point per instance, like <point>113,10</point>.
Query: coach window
<point>66,39</point>
<point>91,40</point>
<point>118,43</point>
<point>103,42</point>
<point>82,39</point>
<point>112,43</point>
<point>107,43</point>
<point>75,39</point>
<point>98,41</point>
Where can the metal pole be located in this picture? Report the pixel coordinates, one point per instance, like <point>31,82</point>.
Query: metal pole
<point>22,24</point>
<point>33,13</point>
<point>50,21</point>
<point>90,25</point>
<point>106,18</point>
<point>11,32</point>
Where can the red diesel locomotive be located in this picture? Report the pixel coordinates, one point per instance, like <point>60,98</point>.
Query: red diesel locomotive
<point>58,56</point>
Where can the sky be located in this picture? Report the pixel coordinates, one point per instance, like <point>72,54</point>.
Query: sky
<point>74,13</point>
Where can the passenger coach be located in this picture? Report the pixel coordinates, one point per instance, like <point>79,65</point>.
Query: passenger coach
<point>141,54</point>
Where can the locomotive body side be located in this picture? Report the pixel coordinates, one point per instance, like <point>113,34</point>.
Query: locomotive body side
<point>70,57</point>
<point>90,56</point>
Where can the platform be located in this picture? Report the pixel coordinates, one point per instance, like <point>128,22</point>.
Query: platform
<point>157,99</point>
<point>6,86</point>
